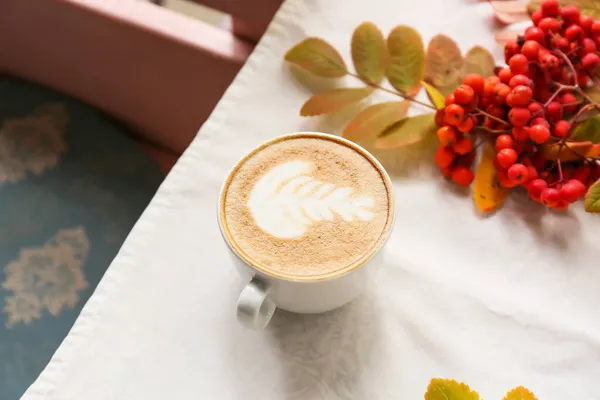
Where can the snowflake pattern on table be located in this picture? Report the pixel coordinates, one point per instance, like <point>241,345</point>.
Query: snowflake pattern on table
<point>50,277</point>
<point>33,143</point>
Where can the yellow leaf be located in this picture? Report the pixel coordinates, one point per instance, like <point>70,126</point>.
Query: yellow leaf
<point>519,393</point>
<point>587,7</point>
<point>436,98</point>
<point>317,56</point>
<point>479,61</point>
<point>488,194</point>
<point>446,389</point>
<point>443,66</point>
<point>593,93</point>
<point>570,151</point>
<point>369,52</point>
<point>333,100</point>
<point>592,198</point>
<point>375,119</point>
<point>407,59</point>
<point>588,130</point>
<point>406,132</point>
<point>510,12</point>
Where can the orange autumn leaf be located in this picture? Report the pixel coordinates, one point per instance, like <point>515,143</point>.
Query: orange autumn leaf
<point>519,393</point>
<point>488,194</point>
<point>510,11</point>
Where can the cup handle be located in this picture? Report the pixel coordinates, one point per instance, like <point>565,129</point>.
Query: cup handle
<point>254,307</point>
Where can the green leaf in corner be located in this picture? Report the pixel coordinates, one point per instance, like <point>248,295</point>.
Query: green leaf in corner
<point>479,61</point>
<point>407,59</point>
<point>588,130</point>
<point>592,198</point>
<point>375,119</point>
<point>446,389</point>
<point>333,100</point>
<point>407,131</point>
<point>317,56</point>
<point>519,393</point>
<point>443,66</point>
<point>369,52</point>
<point>587,7</point>
<point>436,98</point>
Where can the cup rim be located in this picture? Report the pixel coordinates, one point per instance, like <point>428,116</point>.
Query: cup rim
<point>383,238</point>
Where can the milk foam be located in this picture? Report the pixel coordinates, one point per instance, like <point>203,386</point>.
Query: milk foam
<point>287,200</point>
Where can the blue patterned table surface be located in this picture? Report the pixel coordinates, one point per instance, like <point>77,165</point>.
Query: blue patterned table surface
<point>72,184</point>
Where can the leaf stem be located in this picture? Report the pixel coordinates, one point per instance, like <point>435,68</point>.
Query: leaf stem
<point>405,97</point>
<point>480,111</point>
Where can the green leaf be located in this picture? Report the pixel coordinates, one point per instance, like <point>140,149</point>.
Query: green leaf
<point>519,393</point>
<point>375,119</point>
<point>369,52</point>
<point>443,66</point>
<point>317,56</point>
<point>333,100</point>
<point>408,131</point>
<point>436,98</point>
<point>592,198</point>
<point>587,7</point>
<point>446,389</point>
<point>479,61</point>
<point>588,130</point>
<point>407,59</point>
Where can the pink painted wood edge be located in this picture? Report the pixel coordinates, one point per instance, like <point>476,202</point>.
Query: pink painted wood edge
<point>156,70</point>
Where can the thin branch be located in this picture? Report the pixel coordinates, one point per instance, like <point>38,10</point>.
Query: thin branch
<point>490,116</point>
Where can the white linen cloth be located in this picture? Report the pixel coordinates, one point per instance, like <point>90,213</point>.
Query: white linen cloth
<point>499,301</point>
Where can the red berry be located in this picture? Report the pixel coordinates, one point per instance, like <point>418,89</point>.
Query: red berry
<point>537,110</point>
<point>454,114</point>
<point>530,49</point>
<point>581,189</point>
<point>588,46</point>
<point>582,78</point>
<point>450,99</point>
<point>554,111</point>
<point>574,33</point>
<point>561,42</point>
<point>550,197</point>
<point>519,116</point>
<point>568,98</point>
<point>505,75</point>
<point>464,94</point>
<point>595,28</point>
<point>506,158</point>
<point>521,95</point>
<point>446,135</point>
<point>501,90</point>
<point>570,14</point>
<point>439,117</point>
<point>504,142</point>
<point>586,23</point>
<point>518,80</point>
<point>495,111</point>
<point>518,173</point>
<point>476,81</point>
<point>572,191</point>
<point>590,62</point>
<point>536,16</point>
<point>548,62</point>
<point>561,128</point>
<point>549,24</point>
<point>510,49</point>
<point>540,121</point>
<point>549,8</point>
<point>466,125</point>
<point>444,157</point>
<point>518,64</point>
<point>462,146</point>
<point>520,133</point>
<point>539,134</point>
<point>535,188</point>
<point>535,34</point>
<point>531,173</point>
<point>582,173</point>
<point>462,176</point>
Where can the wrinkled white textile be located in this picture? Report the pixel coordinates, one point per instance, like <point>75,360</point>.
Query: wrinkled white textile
<point>499,301</point>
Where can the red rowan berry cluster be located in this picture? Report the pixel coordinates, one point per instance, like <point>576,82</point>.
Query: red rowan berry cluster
<point>529,104</point>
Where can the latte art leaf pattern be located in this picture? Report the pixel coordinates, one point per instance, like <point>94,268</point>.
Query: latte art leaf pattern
<point>286,200</point>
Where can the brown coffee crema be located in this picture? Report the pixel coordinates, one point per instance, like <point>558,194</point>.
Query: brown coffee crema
<point>306,207</point>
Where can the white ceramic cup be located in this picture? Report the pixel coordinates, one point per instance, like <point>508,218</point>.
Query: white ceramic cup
<point>265,292</point>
